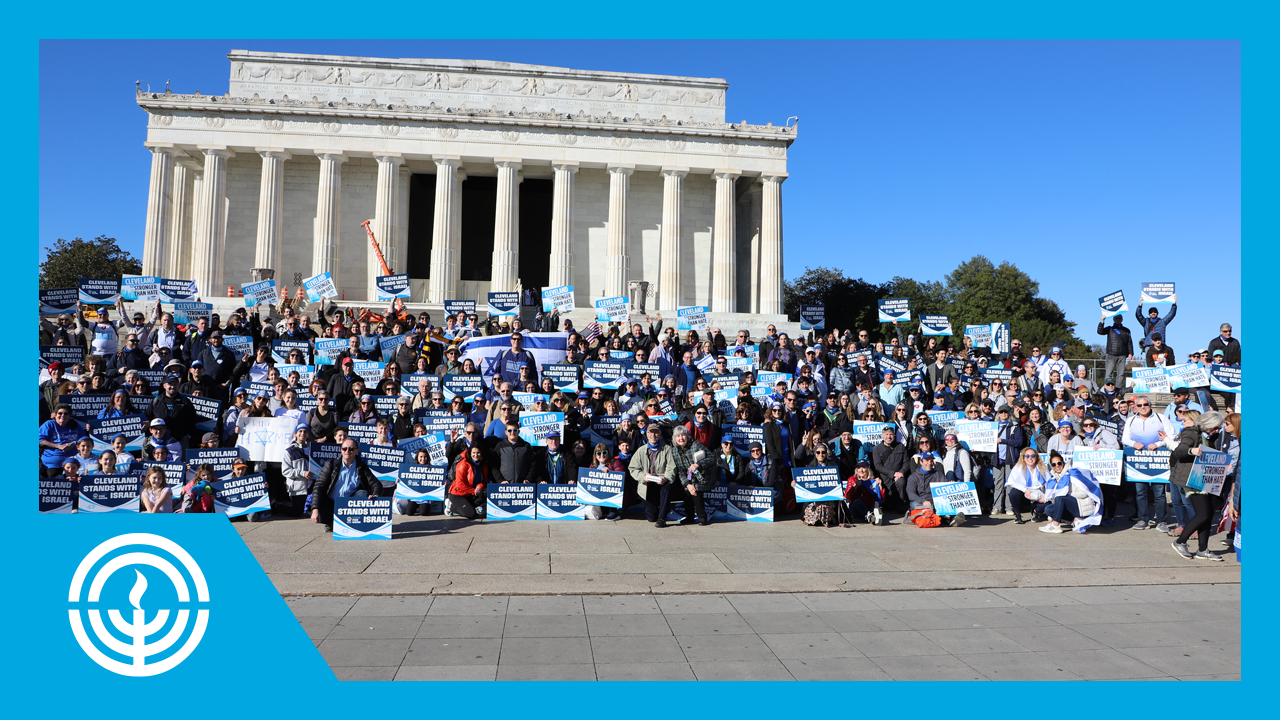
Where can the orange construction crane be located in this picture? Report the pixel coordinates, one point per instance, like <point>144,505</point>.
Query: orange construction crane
<point>377,250</point>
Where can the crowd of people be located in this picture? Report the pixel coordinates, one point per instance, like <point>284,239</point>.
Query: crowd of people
<point>666,425</point>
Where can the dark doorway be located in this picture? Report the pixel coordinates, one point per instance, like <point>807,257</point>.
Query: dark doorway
<point>479,201</point>
<point>422,211</point>
<point>535,232</point>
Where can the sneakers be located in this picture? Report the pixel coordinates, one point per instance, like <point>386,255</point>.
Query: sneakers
<point>660,523</point>
<point>1184,551</point>
<point>1212,557</point>
<point>1140,525</point>
<point>958,520</point>
<point>1054,528</point>
<point>871,519</point>
<point>1152,523</point>
<point>1163,528</point>
<point>1017,520</point>
<point>877,516</point>
<point>612,515</point>
<point>1108,523</point>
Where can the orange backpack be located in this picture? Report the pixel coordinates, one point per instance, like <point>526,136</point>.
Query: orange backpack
<point>925,518</point>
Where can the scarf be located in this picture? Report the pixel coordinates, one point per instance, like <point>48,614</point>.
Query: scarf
<point>760,468</point>
<point>831,414</point>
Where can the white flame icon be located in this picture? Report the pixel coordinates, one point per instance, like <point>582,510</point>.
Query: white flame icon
<point>139,587</point>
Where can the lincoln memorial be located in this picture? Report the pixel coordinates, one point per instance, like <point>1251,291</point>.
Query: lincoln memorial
<point>478,177</point>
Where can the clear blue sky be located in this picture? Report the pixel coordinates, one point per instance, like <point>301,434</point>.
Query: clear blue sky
<point>1092,165</point>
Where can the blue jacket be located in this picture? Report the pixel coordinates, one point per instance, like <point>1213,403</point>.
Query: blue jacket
<point>1159,325</point>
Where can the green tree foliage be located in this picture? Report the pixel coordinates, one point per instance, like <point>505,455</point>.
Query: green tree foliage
<point>68,261</point>
<point>976,292</point>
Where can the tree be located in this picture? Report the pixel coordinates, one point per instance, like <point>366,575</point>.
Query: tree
<point>68,261</point>
<point>849,303</point>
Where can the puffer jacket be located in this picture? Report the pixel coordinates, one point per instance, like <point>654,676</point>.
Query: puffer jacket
<point>1181,459</point>
<point>1161,325</point>
<point>1119,341</point>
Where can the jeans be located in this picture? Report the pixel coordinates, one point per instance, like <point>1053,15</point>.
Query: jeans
<point>655,509</point>
<point>999,499</point>
<point>1182,510</point>
<point>1155,491</point>
<point>1063,504</point>
<point>1113,363</point>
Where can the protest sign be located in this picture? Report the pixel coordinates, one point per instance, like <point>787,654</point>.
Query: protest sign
<point>1151,380</point>
<point>761,393</point>
<point>558,298</point>
<point>994,373</point>
<point>390,287</point>
<point>109,493</point>
<point>692,317</point>
<point>453,307</point>
<point>1113,304</point>
<point>328,350</point>
<point>613,309</point>
<point>95,291</point>
<point>305,374</point>
<point>818,484</point>
<point>955,498</point>
<point>977,435</point>
<point>435,443</point>
<point>727,401</point>
<point>980,334</point>
<point>85,407</point>
<point>945,420</point>
<point>1000,338</point>
<point>363,433</point>
<point>361,518</point>
<point>504,304</point>
<point>1109,424</point>
<point>370,371</point>
<point>322,453</point>
<point>635,370</point>
<point>68,355</point>
<point>559,502</point>
<point>716,500</point>
<point>208,410</point>
<point>242,495</point>
<point>895,309</point>
<point>220,458</point>
<point>441,423</point>
<point>813,317</point>
<point>564,376</point>
<point>607,375</point>
<point>769,378</point>
<point>175,476</point>
<point>1146,466</point>
<point>742,436</point>
<point>262,292</point>
<point>869,433</point>
<point>385,461</point>
<point>411,384</point>
<point>266,439</point>
<point>1209,471</point>
<point>319,287</point>
<point>387,345</point>
<point>56,301</point>
<point>740,365</point>
<point>527,399</point>
<point>466,387</point>
<point>935,325</point>
<point>748,502</point>
<point>535,426</point>
<point>133,427</point>
<point>621,355</point>
<point>1187,375</point>
<point>600,487</point>
<point>1224,378</point>
<point>186,313</point>
<point>139,288</point>
<point>1104,464</point>
<point>239,345</point>
<point>602,429</point>
<point>421,483</point>
<point>1156,292</point>
<point>280,350</point>
<point>510,502</point>
<point>175,291</point>
<point>56,495</point>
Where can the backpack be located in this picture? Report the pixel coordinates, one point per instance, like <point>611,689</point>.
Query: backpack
<point>925,518</point>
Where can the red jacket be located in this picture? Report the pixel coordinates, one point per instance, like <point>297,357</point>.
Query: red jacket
<point>467,479</point>
<point>708,434</point>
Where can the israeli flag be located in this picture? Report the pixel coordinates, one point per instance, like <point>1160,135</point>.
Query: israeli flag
<point>547,348</point>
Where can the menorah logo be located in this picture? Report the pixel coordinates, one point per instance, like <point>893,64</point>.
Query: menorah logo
<point>137,629</point>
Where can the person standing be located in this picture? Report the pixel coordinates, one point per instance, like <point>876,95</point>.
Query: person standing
<point>1153,324</point>
<point>1148,431</point>
<point>1119,346</point>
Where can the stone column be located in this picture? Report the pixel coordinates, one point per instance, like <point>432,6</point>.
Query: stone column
<point>443,283</point>
<point>724,268</point>
<point>155,243</point>
<point>670,252</point>
<point>749,246</point>
<point>270,209</point>
<point>211,225</point>
<point>386,219</point>
<point>506,228</point>
<point>184,191</point>
<point>328,223</point>
<point>562,225</point>
<point>771,244</point>
<point>616,261</point>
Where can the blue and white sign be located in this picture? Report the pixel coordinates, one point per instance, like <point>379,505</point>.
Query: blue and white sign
<point>743,436</point>
<point>453,307</point>
<point>239,345</point>
<point>603,427</point>
<point>748,502</point>
<point>818,484</point>
<point>359,518</point>
<point>305,373</point>
<point>319,287</point>
<point>981,335</point>
<point>770,378</point>
<point>1224,378</point>
<point>607,375</point>
<point>175,475</point>
<point>1104,464</point>
<point>1209,471</point>
<point>435,443</point>
<point>410,385</point>
<point>85,407</point>
<point>370,371</point>
<point>935,325</point>
<point>635,370</point>
<point>328,350</point>
<point>1000,338</point>
<point>221,459</point>
<point>390,287</point>
<point>613,309</point>
<point>109,493</point>
<point>1113,304</point>
<point>466,387</point>
<point>1158,292</point>
<point>535,426</point>
<point>1151,380</point>
<point>173,291</point>
<point>692,318</point>
<point>1146,466</point>
<point>894,309</point>
<point>727,401</point>
<point>139,288</point>
<point>1187,375</point>
<point>56,495</point>
<point>600,487</point>
<point>133,428</point>
<point>186,313</point>
<point>263,292</point>
<point>68,355</point>
<point>564,376</point>
<point>385,461</point>
<point>504,304</point>
<point>387,345</point>
<point>57,301</point>
<point>97,291</point>
<point>323,453</point>
<point>813,317</point>
<point>977,435</point>
<point>510,502</point>
<point>558,298</point>
<point>421,483</point>
<point>740,365</point>
<point>869,433</point>
<point>945,420</point>
<point>955,498</point>
<point>559,502</point>
<point>528,399</point>
<point>280,350</point>
<point>623,356</point>
<point>1004,375</point>
<point>242,495</point>
<point>445,424</point>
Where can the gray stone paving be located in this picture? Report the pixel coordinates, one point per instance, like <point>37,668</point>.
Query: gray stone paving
<point>1126,632</point>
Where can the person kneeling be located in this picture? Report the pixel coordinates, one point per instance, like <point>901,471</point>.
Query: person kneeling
<point>466,494</point>
<point>1074,493</point>
<point>921,496</point>
<point>345,476</point>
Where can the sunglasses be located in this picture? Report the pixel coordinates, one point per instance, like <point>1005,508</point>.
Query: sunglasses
<point>1056,464</point>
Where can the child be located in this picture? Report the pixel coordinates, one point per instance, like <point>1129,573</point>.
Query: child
<point>156,497</point>
<point>197,495</point>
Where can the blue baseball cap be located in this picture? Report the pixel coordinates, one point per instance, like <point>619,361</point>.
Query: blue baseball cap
<point>928,456</point>
<point>1064,423</point>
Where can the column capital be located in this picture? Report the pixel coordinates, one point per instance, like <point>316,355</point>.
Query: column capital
<point>777,177</point>
<point>389,158</point>
<point>726,174</point>
<point>269,152</point>
<point>337,156</point>
<point>676,171</point>
<point>568,165</point>
<point>620,168</point>
<point>159,147</point>
<point>452,161</point>
<point>508,163</point>
<point>219,150</point>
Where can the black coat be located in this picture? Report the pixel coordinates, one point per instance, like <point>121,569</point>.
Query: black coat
<point>1230,349</point>
<point>220,372</point>
<point>180,418</point>
<point>1119,341</point>
<point>513,462</point>
<point>1181,459</point>
<point>329,475</point>
<point>889,459</point>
